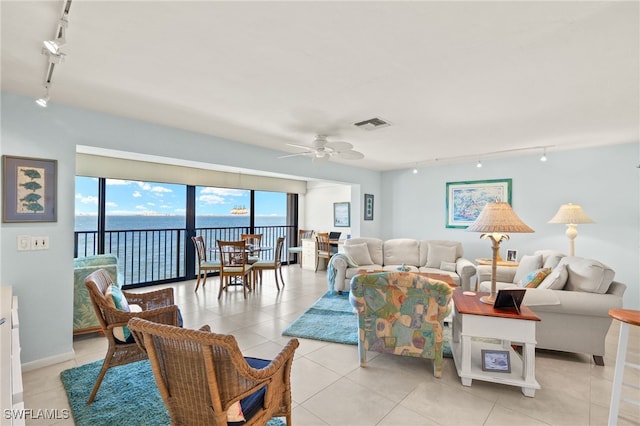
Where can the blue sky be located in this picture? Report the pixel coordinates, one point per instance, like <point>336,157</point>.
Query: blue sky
<point>125,197</point>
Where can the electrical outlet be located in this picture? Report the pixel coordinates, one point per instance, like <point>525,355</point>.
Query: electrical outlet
<point>39,243</point>
<point>24,242</point>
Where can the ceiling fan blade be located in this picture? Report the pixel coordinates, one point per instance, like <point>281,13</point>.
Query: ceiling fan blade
<point>351,155</point>
<point>320,158</point>
<point>297,155</point>
<point>300,146</point>
<point>339,146</point>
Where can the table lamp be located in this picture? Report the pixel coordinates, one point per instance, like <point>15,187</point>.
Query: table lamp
<point>495,220</point>
<point>571,215</point>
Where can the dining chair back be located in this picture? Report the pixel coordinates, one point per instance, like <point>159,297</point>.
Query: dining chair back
<point>204,266</point>
<point>233,264</point>
<point>303,234</point>
<point>275,264</point>
<point>252,240</point>
<point>157,306</point>
<point>202,376</point>
<point>323,247</point>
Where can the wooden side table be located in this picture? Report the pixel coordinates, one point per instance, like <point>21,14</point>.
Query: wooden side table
<point>472,318</point>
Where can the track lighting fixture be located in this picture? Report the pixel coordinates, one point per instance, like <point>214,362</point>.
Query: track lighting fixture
<point>54,45</point>
<point>415,171</point>
<point>43,101</point>
<point>479,164</point>
<point>544,155</point>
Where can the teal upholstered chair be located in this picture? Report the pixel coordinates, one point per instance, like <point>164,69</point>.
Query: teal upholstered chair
<point>401,313</point>
<point>84,316</point>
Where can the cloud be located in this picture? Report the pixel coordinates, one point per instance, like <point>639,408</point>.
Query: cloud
<point>151,204</point>
<point>90,199</point>
<point>144,186</point>
<point>211,199</point>
<point>160,189</point>
<point>111,204</point>
<point>225,192</point>
<point>141,207</point>
<point>117,182</point>
<point>136,194</point>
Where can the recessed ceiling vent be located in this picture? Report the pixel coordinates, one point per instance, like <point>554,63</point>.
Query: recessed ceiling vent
<point>372,124</point>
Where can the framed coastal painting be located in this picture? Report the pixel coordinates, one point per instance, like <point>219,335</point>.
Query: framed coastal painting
<point>341,215</point>
<point>368,206</point>
<point>465,200</point>
<point>29,189</point>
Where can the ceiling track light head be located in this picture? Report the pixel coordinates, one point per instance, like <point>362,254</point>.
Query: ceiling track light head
<point>479,164</point>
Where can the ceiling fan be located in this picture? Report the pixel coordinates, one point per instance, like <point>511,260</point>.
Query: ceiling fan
<point>323,150</point>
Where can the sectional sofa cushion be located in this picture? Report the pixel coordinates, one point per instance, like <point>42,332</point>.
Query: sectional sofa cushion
<point>527,264</point>
<point>587,275</point>
<point>438,253</point>
<point>401,251</point>
<point>359,254</point>
<point>448,266</point>
<point>556,280</point>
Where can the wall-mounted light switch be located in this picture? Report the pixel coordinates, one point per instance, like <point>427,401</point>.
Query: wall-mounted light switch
<point>39,243</point>
<point>24,242</point>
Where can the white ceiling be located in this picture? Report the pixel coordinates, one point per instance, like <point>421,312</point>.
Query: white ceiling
<point>457,80</point>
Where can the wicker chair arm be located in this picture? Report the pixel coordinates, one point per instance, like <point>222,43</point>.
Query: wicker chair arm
<point>285,355</point>
<point>152,299</point>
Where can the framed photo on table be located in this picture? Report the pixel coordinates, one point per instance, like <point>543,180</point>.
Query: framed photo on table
<point>512,255</point>
<point>368,206</point>
<point>342,215</point>
<point>29,188</point>
<point>465,200</point>
<point>497,361</point>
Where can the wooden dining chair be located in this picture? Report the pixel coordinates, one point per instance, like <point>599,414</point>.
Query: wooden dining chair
<point>204,266</point>
<point>233,264</point>
<point>323,247</point>
<point>275,264</point>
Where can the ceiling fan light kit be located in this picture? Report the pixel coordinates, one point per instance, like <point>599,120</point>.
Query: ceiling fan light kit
<point>322,150</point>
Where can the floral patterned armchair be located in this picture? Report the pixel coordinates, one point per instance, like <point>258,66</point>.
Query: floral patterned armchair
<point>401,313</point>
<point>84,316</point>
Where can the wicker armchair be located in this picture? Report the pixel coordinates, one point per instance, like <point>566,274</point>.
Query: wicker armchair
<point>201,375</point>
<point>154,305</point>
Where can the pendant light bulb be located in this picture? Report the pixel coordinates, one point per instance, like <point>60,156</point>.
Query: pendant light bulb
<point>544,156</point>
<point>479,164</point>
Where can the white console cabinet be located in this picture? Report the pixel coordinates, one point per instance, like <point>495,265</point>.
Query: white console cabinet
<point>10,365</point>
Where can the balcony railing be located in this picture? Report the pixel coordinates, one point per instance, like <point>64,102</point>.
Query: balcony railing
<point>153,256</point>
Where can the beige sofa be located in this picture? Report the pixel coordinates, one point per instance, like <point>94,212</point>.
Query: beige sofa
<point>436,256</point>
<point>572,302</point>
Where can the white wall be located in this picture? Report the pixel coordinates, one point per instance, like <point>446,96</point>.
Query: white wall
<point>604,180</point>
<point>43,280</point>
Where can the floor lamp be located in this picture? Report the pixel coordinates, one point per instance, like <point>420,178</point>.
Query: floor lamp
<point>495,220</point>
<point>571,215</point>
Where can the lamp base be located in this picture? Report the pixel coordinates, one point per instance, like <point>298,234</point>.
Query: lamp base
<point>489,300</point>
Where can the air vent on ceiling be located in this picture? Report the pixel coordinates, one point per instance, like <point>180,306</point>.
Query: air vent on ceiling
<point>372,124</point>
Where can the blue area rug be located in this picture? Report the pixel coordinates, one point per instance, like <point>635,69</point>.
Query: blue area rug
<point>331,319</point>
<point>128,395</point>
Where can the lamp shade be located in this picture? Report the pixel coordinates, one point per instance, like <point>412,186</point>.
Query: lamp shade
<point>571,213</point>
<point>499,217</point>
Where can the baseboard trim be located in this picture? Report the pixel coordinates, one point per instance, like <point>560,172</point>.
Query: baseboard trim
<point>45,362</point>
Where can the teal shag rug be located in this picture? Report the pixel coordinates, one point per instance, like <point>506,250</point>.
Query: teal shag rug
<point>332,319</point>
<point>128,395</point>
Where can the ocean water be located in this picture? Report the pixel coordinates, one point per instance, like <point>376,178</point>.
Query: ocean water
<point>120,223</point>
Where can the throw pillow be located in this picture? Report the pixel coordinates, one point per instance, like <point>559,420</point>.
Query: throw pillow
<point>527,265</point>
<point>437,253</point>
<point>448,266</point>
<point>234,413</point>
<point>359,253</point>
<point>534,279</point>
<point>556,279</point>
<point>119,300</point>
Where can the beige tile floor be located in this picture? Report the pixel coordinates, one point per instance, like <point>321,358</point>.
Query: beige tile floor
<point>329,387</point>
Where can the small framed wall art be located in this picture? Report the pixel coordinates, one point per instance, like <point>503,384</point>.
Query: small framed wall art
<point>29,189</point>
<point>341,215</point>
<point>368,206</point>
<point>496,361</point>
